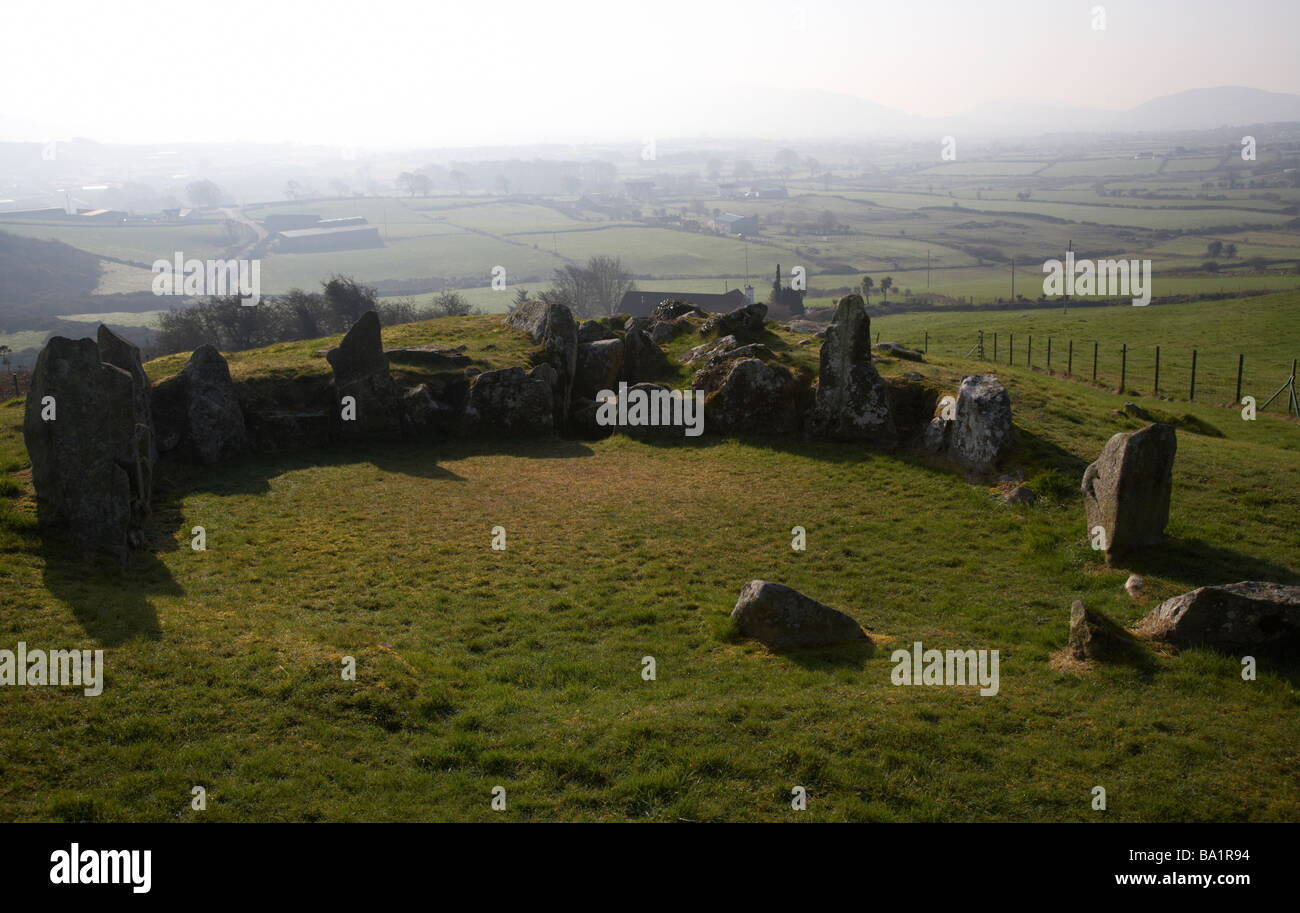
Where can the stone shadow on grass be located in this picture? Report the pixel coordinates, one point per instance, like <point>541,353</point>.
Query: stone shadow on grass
<point>1196,563</point>
<point>826,659</point>
<point>111,603</point>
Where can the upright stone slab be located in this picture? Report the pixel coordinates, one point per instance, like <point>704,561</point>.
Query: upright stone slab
<point>852,399</point>
<point>197,413</point>
<point>89,458</point>
<point>361,371</point>
<point>1126,491</point>
<point>981,433</point>
<point>511,401</point>
<point>552,326</point>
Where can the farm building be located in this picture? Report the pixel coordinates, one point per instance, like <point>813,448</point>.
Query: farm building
<point>290,221</point>
<point>316,240</point>
<point>731,224</point>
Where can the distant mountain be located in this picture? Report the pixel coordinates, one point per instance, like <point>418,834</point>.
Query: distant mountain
<point>1206,109</point>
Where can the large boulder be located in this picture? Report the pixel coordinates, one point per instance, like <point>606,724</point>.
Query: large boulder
<point>361,371</point>
<point>748,396</point>
<point>745,322</point>
<point>91,461</point>
<point>553,328</point>
<point>511,401</point>
<point>1250,615</point>
<point>1126,491</point>
<point>197,413</point>
<point>852,401</point>
<point>643,361</point>
<point>781,617</point>
<point>593,331</point>
<point>598,367</point>
<point>980,436</point>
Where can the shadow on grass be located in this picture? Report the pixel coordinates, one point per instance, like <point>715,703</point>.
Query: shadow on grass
<point>825,659</point>
<point>111,603</point>
<point>1196,563</point>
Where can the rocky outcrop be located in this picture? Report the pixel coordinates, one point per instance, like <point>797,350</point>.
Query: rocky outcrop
<point>852,401</point>
<point>980,437</point>
<point>1127,490</point>
<point>92,464</point>
<point>594,331</point>
<point>430,358</point>
<point>361,372</point>
<point>553,328</point>
<point>511,401</point>
<point>744,322</point>
<point>899,351</point>
<point>1250,615</point>
<point>599,365</point>
<point>781,617</point>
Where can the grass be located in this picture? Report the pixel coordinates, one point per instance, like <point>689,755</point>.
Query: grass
<point>522,668</point>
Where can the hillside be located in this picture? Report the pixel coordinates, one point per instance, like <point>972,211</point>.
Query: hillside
<point>522,667</point>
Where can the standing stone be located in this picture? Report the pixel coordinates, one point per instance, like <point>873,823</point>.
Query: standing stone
<point>1240,616</point>
<point>780,617</point>
<point>852,399</point>
<point>124,354</point>
<point>197,412</point>
<point>361,371</point>
<point>553,327</point>
<point>87,463</point>
<point>598,367</point>
<point>1127,490</point>
<point>980,437</point>
<point>748,396</point>
<point>643,361</point>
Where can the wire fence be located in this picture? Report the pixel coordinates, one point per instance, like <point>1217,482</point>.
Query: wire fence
<point>1170,372</point>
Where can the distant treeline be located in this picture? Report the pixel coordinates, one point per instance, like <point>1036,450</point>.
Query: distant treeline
<point>231,326</point>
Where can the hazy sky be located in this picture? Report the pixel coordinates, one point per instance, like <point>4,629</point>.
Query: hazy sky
<point>452,74</point>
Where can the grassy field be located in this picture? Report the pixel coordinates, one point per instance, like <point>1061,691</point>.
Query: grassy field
<point>1262,329</point>
<point>522,668</point>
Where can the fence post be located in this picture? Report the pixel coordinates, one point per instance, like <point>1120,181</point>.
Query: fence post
<point>1029,356</point>
<point>1191,395</point>
<point>1155,389</point>
<point>1069,364</point>
<point>1123,365</point>
<point>1011,348</point>
<point>1049,353</point>
<point>995,346</point>
<point>1241,361</point>
<point>927,342</point>
<point>1094,361</point>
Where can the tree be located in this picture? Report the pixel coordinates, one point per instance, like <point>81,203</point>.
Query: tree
<point>521,295</point>
<point>204,194</point>
<point>786,160</point>
<point>609,282</point>
<point>713,170</point>
<point>743,169</point>
<point>451,304</point>
<point>1214,249</point>
<point>867,285</point>
<point>293,190</point>
<point>1230,251</point>
<point>827,223</point>
<point>885,285</point>
<point>348,298</point>
<point>460,179</point>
